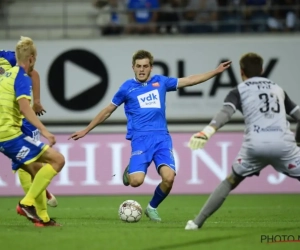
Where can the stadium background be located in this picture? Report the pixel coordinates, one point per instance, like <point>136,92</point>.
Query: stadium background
<point>82,63</point>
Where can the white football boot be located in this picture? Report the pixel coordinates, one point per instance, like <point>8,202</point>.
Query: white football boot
<point>190,225</point>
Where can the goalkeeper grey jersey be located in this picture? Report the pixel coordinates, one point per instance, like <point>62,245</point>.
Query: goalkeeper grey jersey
<point>264,105</point>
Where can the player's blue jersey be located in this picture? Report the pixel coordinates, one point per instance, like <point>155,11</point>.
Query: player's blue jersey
<point>144,103</point>
<point>7,60</point>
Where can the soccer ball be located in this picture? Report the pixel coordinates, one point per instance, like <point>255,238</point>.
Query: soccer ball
<point>130,211</point>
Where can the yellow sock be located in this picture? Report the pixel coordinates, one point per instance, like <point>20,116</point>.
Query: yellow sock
<point>41,206</point>
<point>41,181</point>
<point>25,179</point>
<point>40,201</point>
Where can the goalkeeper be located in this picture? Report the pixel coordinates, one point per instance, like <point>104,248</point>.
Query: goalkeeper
<point>268,139</point>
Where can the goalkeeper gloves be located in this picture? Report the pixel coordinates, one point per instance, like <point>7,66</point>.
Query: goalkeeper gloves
<point>199,140</point>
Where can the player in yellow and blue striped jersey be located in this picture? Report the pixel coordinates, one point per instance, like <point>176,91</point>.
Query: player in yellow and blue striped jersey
<point>7,61</point>
<point>15,97</point>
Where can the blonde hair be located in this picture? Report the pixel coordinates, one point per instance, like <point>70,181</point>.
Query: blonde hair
<point>24,49</point>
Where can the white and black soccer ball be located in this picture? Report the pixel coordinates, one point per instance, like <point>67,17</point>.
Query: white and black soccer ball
<point>130,211</point>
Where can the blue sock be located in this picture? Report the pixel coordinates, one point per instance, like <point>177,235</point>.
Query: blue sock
<point>158,197</point>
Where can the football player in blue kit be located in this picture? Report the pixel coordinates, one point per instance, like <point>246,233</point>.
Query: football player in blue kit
<point>144,100</point>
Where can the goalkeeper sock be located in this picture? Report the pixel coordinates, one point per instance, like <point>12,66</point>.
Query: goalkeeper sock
<point>158,197</point>
<point>41,180</point>
<point>214,202</point>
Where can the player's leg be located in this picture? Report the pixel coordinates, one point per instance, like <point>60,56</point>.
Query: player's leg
<point>137,169</point>
<point>161,192</point>
<point>215,200</point>
<point>25,150</point>
<point>141,157</point>
<point>245,166</point>
<point>286,160</point>
<point>126,176</point>
<point>41,200</point>
<point>25,178</point>
<point>41,208</point>
<point>51,199</point>
<point>26,181</point>
<point>165,165</point>
<point>54,163</point>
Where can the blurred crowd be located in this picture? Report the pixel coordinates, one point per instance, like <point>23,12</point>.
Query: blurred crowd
<point>196,16</point>
<point>3,3</point>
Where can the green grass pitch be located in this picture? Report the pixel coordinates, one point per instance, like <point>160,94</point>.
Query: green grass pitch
<point>92,223</point>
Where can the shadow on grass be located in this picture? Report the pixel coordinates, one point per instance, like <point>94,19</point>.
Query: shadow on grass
<point>195,242</point>
<point>217,239</point>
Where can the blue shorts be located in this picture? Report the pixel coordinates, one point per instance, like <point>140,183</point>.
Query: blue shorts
<point>23,150</point>
<point>30,130</point>
<point>150,147</point>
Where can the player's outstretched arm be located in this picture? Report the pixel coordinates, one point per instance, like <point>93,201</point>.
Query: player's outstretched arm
<point>199,78</point>
<point>232,102</point>
<point>199,139</point>
<point>29,114</point>
<point>100,118</point>
<point>36,89</point>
